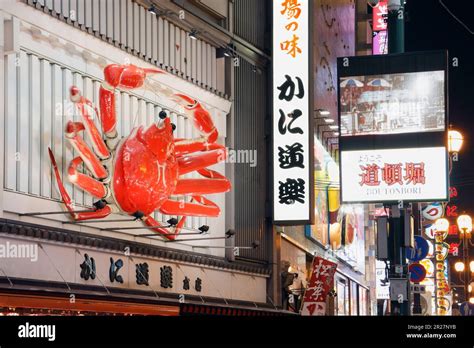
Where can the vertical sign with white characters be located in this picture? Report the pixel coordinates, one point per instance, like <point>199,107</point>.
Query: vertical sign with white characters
<point>292,132</point>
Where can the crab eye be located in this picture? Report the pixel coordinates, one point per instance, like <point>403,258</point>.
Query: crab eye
<point>173,126</point>
<point>162,114</point>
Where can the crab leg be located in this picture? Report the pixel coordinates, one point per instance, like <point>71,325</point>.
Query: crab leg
<point>97,214</point>
<point>202,121</point>
<point>149,221</point>
<point>191,163</point>
<point>184,147</point>
<point>89,158</point>
<point>204,207</point>
<point>118,76</point>
<point>85,182</point>
<point>83,104</point>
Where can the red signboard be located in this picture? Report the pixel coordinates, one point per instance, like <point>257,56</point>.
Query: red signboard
<point>380,11</point>
<point>321,282</point>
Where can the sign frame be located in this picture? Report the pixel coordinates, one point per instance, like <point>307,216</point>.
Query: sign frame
<point>310,124</point>
<point>410,62</point>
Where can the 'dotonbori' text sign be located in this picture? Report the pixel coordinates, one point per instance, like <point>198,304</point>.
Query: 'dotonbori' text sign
<point>321,282</point>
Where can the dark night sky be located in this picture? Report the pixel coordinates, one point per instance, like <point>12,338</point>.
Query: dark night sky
<point>430,27</point>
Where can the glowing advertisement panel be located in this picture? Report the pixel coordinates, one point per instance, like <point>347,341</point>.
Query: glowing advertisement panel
<point>407,174</point>
<point>292,114</point>
<point>392,103</point>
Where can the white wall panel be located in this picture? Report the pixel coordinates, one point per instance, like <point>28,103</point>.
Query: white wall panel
<point>46,127</point>
<point>161,29</point>
<point>81,12</point>
<point>88,13</point>
<point>172,46</point>
<point>166,43</point>
<point>23,131</point>
<point>11,112</point>
<point>136,27</point>
<point>142,22</point>
<point>110,18</point>
<point>149,34</point>
<point>35,125</point>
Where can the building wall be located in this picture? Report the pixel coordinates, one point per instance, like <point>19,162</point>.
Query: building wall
<point>250,129</point>
<point>50,55</point>
<point>126,24</point>
<point>56,44</point>
<point>334,36</point>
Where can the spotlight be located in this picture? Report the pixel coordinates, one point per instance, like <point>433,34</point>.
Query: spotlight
<point>230,233</point>
<point>172,222</point>
<point>203,228</point>
<point>227,52</point>
<point>153,9</point>
<point>193,34</point>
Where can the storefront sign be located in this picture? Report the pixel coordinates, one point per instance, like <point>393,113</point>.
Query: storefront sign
<point>380,42</point>
<point>292,114</point>
<point>321,282</point>
<point>380,13</point>
<point>393,175</point>
<point>382,287</point>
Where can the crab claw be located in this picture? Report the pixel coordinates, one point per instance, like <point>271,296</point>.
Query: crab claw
<point>127,76</point>
<point>202,119</point>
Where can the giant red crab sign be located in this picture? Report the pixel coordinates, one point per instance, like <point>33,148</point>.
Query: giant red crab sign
<point>137,174</point>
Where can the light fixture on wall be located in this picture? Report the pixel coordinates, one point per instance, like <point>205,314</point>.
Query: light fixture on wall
<point>153,9</point>
<point>193,34</point>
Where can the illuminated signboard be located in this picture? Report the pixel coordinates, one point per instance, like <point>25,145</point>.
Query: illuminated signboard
<point>380,13</point>
<point>393,127</point>
<point>395,174</point>
<point>392,103</point>
<point>292,114</point>
<point>380,42</point>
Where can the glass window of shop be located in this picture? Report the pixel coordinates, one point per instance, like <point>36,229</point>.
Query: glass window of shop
<point>354,298</point>
<point>343,299</point>
<point>363,301</point>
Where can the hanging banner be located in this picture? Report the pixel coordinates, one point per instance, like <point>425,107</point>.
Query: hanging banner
<point>380,13</point>
<point>292,114</point>
<point>320,283</point>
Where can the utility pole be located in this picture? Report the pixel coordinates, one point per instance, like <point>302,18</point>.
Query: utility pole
<point>396,26</point>
<point>398,274</point>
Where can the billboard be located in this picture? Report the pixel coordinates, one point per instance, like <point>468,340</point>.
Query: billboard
<point>292,114</point>
<point>412,174</point>
<point>393,127</point>
<point>392,103</point>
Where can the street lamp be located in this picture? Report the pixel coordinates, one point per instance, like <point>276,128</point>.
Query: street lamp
<point>465,223</point>
<point>455,141</point>
<point>465,226</point>
<point>459,266</point>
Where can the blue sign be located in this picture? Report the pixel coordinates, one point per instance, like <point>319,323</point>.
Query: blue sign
<point>466,309</point>
<point>417,272</point>
<point>420,251</point>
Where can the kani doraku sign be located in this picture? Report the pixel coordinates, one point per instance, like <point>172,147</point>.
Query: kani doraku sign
<point>292,132</point>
